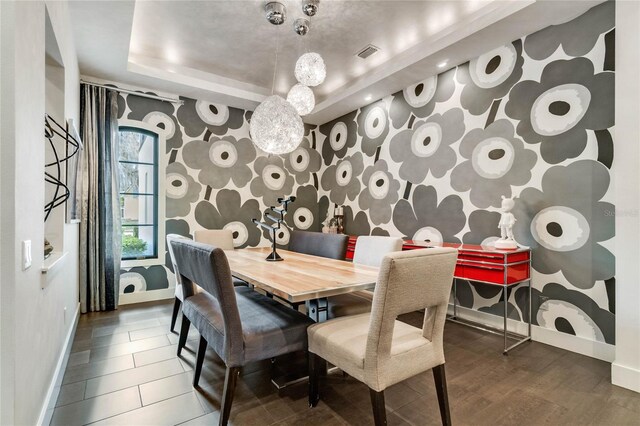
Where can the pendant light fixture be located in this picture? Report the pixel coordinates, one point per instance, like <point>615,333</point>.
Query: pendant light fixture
<point>310,69</point>
<point>302,99</point>
<point>276,126</point>
<point>310,7</point>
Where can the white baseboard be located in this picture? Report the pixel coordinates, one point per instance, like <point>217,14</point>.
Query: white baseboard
<point>56,382</point>
<point>590,348</point>
<point>626,377</point>
<point>147,296</point>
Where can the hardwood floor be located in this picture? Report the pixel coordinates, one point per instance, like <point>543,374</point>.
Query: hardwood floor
<point>123,370</point>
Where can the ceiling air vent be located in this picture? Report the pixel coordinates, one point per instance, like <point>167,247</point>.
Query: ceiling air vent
<point>367,51</point>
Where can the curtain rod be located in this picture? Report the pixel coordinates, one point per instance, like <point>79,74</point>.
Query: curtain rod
<point>133,92</point>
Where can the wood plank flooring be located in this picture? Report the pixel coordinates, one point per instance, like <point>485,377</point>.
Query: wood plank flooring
<point>123,370</point>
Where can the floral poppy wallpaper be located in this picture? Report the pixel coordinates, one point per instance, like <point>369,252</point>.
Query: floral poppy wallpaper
<point>532,120</point>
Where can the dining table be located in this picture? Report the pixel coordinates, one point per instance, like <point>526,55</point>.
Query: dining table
<point>301,278</point>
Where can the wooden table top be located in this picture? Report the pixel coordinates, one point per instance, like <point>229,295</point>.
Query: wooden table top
<point>300,277</point>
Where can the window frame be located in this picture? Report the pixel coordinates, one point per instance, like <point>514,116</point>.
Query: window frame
<point>159,184</point>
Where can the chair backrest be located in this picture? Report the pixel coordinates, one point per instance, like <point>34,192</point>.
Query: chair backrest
<point>332,246</point>
<point>221,238</point>
<point>174,237</point>
<point>370,250</point>
<point>409,281</point>
<point>208,266</point>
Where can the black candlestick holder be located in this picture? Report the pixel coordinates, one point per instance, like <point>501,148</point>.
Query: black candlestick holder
<point>275,226</point>
<point>339,223</point>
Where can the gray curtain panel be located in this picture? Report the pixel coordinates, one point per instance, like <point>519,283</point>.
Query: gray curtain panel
<point>100,232</point>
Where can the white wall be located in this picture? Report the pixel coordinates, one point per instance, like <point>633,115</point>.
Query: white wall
<point>34,325</point>
<point>625,371</point>
<point>6,232</point>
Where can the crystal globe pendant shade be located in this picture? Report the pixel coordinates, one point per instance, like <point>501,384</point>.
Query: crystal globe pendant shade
<point>310,69</point>
<point>302,99</point>
<point>310,7</point>
<point>276,127</point>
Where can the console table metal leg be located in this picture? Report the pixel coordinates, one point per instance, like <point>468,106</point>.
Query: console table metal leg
<point>506,306</point>
<point>455,298</point>
<point>529,307</point>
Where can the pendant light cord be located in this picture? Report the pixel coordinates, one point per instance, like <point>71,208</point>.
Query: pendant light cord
<point>275,67</point>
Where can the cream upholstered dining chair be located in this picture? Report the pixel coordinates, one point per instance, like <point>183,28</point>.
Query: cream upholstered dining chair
<point>370,250</point>
<point>179,293</point>
<point>222,238</point>
<point>381,351</point>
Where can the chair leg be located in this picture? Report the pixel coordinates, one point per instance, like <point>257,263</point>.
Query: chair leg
<point>379,410</point>
<point>230,379</point>
<point>315,366</point>
<point>202,350</point>
<point>184,332</point>
<point>174,316</point>
<point>443,399</point>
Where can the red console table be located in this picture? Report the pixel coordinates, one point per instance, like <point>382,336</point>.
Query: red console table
<point>486,265</point>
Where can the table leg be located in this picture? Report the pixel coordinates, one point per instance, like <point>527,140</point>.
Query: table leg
<point>318,309</point>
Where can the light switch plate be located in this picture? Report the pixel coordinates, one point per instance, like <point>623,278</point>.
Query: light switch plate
<point>26,255</point>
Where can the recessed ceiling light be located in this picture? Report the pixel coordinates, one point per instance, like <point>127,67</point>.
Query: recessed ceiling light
<point>172,55</point>
<point>368,98</point>
<point>442,64</point>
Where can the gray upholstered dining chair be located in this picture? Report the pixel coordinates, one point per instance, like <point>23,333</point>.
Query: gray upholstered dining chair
<point>240,324</point>
<point>381,351</point>
<point>370,250</point>
<point>332,246</point>
<point>219,237</point>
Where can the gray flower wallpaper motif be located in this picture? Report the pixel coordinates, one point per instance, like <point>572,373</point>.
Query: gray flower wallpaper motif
<point>380,194</point>
<point>221,160</point>
<point>341,179</point>
<point>303,162</point>
<point>556,112</point>
<point>496,161</point>
<point>272,181</point>
<point>490,76</point>
<point>426,147</point>
<point>420,99</point>
<point>532,120</point>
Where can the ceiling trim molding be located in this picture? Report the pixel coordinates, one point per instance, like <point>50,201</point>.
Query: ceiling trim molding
<point>155,68</point>
<point>450,35</point>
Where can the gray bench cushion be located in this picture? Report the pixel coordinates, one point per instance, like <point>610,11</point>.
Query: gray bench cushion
<point>238,282</point>
<point>269,328</point>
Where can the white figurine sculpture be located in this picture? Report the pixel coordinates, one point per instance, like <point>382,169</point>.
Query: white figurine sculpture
<point>507,220</point>
<point>327,221</point>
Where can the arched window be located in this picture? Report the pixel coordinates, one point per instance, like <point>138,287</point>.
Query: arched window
<point>138,180</point>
